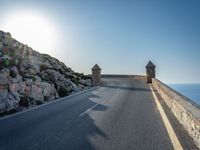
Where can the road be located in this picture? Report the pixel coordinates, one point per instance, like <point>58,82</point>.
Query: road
<point>121,115</point>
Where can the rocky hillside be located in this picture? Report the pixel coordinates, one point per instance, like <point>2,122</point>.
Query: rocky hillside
<point>28,77</point>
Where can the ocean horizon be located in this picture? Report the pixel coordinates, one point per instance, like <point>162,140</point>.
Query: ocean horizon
<point>192,91</point>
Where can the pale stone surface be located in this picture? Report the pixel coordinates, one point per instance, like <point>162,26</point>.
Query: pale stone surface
<point>3,87</point>
<point>1,45</point>
<point>15,75</point>
<point>48,90</point>
<point>85,82</point>
<point>8,100</point>
<point>186,112</point>
<point>36,93</point>
<point>3,93</point>
<point>5,72</point>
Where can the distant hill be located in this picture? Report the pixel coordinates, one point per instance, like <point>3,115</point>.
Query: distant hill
<point>28,77</point>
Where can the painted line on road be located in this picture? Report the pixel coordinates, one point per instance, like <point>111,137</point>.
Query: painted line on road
<point>50,102</point>
<point>172,135</point>
<point>83,113</point>
<point>33,147</point>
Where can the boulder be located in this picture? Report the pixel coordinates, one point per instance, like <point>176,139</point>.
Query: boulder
<point>5,72</point>
<point>11,102</point>
<point>21,88</point>
<point>15,44</point>
<point>15,74</point>
<point>7,35</point>
<point>31,77</point>
<point>8,100</point>
<point>48,90</point>
<point>3,88</point>
<point>1,46</point>
<point>86,82</point>
<point>6,42</point>
<point>36,93</point>
<point>2,106</point>
<point>38,79</point>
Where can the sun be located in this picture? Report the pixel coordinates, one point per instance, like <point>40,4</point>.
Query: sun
<point>33,29</point>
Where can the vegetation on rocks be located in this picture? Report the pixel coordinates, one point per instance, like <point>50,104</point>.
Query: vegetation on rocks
<point>63,91</point>
<point>29,77</point>
<point>24,101</point>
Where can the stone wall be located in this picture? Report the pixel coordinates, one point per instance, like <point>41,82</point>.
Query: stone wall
<point>186,111</point>
<point>123,76</point>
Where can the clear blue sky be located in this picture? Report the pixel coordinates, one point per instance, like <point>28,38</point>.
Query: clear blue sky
<point>122,36</point>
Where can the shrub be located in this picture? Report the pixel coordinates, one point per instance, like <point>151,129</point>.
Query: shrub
<point>75,80</point>
<point>87,77</point>
<point>24,101</point>
<point>38,102</point>
<point>63,92</point>
<point>33,78</point>
<point>13,74</point>
<point>43,67</point>
<point>60,71</point>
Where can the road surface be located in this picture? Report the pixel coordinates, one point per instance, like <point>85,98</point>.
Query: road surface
<point>121,115</point>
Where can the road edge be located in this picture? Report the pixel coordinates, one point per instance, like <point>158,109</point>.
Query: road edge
<point>47,103</point>
<point>172,135</point>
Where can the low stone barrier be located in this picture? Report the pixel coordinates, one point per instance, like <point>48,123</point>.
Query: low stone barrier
<point>186,111</point>
<point>123,76</point>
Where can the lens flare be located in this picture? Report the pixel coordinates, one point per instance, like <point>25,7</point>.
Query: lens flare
<point>33,29</point>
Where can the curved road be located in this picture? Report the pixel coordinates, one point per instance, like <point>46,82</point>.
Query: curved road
<point>122,115</point>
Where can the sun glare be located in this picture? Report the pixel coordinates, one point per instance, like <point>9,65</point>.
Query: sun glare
<point>32,29</point>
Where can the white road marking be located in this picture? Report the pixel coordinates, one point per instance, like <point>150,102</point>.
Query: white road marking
<point>83,113</point>
<point>45,104</point>
<point>34,146</point>
<point>172,135</point>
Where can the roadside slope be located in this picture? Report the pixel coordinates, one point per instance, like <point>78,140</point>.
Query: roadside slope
<point>28,77</point>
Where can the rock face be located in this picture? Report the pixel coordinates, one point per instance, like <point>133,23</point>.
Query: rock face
<point>28,77</point>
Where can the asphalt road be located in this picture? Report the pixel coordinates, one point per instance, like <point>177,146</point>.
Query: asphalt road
<point>121,115</point>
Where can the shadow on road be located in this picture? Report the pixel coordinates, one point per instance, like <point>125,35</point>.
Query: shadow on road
<point>81,130</point>
<point>128,88</point>
<point>55,126</point>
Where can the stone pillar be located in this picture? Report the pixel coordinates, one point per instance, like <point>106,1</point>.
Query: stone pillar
<point>96,75</point>
<point>150,71</point>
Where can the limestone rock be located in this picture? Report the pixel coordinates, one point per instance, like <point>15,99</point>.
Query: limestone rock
<point>32,77</point>
<point>48,90</point>
<point>14,74</point>
<point>36,93</point>
<point>5,72</point>
<point>3,88</point>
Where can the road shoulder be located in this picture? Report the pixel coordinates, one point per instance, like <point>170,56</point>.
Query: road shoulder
<point>9,115</point>
<point>185,140</point>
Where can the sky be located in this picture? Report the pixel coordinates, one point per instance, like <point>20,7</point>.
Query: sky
<point>119,35</point>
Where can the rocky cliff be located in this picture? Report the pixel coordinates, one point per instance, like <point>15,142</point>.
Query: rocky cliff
<point>28,77</point>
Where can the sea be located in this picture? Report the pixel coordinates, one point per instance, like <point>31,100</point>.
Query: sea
<point>192,91</point>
